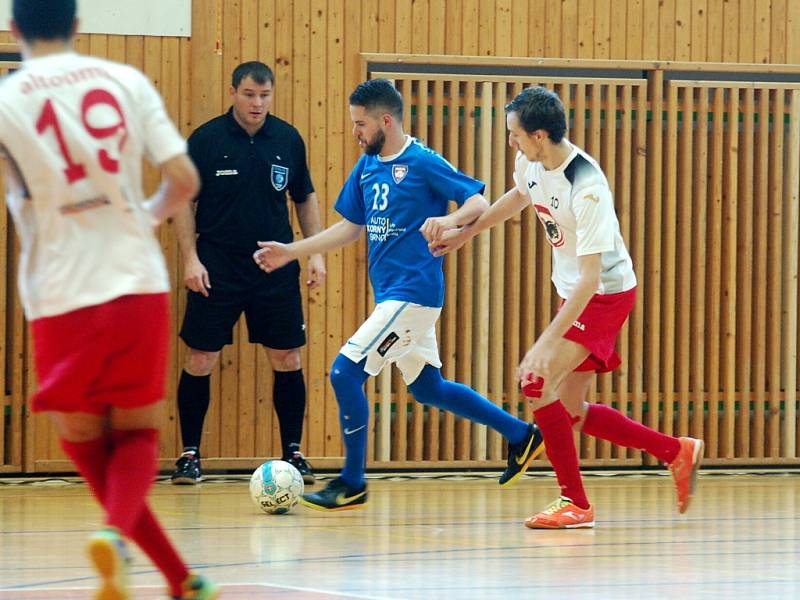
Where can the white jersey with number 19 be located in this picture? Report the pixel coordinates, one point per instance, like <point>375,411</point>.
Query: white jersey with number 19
<point>75,130</point>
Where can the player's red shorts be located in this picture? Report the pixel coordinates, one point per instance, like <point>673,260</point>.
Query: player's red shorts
<point>111,354</point>
<point>598,327</point>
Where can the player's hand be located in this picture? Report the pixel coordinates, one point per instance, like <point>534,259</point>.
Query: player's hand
<point>195,276</point>
<point>449,241</point>
<point>434,227</point>
<point>272,255</point>
<point>537,362</point>
<point>316,271</point>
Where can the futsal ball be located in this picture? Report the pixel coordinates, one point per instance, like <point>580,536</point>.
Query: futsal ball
<point>275,487</point>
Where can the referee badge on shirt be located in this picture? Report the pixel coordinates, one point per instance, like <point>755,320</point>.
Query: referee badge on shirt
<point>279,176</point>
<point>399,172</point>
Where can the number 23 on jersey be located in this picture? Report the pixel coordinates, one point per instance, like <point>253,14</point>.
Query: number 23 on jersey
<point>380,199</point>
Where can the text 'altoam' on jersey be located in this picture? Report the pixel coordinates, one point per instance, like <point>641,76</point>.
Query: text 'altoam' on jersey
<point>576,208</point>
<point>392,197</point>
<point>244,182</point>
<point>76,128</point>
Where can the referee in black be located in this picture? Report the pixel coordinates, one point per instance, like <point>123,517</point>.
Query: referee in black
<point>248,159</point>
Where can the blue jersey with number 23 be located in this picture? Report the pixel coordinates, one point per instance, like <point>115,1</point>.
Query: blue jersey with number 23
<point>392,197</point>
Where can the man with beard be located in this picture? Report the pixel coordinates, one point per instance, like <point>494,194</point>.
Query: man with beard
<point>399,192</point>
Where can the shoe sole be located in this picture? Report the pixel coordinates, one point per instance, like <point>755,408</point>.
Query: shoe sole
<point>525,466</point>
<point>589,525</point>
<point>313,506</point>
<point>185,480</point>
<point>107,562</point>
<point>309,479</point>
<point>697,460</point>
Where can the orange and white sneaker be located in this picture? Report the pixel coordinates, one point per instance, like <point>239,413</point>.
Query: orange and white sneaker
<point>562,514</point>
<point>684,470</point>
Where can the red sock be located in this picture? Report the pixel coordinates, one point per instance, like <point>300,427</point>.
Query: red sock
<point>150,537</point>
<point>609,424</point>
<point>91,458</point>
<point>556,426</point>
<point>130,471</point>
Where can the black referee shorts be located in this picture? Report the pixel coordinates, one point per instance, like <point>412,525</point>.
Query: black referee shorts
<point>274,316</point>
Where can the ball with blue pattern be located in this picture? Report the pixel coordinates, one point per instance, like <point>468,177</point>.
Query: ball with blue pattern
<point>275,487</point>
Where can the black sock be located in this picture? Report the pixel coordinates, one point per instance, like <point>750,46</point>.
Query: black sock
<point>289,398</point>
<point>194,393</point>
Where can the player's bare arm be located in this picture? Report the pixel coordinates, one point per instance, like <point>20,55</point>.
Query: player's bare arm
<point>468,212</point>
<point>308,216</point>
<point>509,204</point>
<point>180,184</point>
<point>539,359</point>
<point>274,255</point>
<point>195,274</point>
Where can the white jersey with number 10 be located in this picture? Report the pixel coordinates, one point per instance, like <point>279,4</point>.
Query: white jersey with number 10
<point>75,129</point>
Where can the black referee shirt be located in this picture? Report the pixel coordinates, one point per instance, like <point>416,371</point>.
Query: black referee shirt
<point>245,180</point>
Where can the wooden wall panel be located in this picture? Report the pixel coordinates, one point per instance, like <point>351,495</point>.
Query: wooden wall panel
<point>314,47</point>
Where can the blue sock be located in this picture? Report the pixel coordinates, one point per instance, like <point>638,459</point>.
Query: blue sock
<point>430,388</point>
<point>347,379</point>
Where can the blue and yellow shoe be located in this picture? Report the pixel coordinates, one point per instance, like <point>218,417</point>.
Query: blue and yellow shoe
<point>197,587</point>
<point>521,455</point>
<point>337,495</point>
<point>108,552</point>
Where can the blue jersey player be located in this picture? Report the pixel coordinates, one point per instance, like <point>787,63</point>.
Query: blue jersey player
<point>399,191</point>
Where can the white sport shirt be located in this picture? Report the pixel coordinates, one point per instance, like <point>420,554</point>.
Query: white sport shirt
<point>576,208</point>
<point>76,128</point>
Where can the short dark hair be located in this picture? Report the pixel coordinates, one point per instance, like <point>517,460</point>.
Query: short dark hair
<point>539,108</point>
<point>44,19</point>
<point>380,94</point>
<point>257,71</point>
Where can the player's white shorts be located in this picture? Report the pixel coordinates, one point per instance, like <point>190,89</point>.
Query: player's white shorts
<point>396,332</point>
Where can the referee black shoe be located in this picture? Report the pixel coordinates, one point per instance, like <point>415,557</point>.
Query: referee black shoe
<point>522,454</point>
<point>187,470</point>
<point>337,495</point>
<point>298,461</point>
